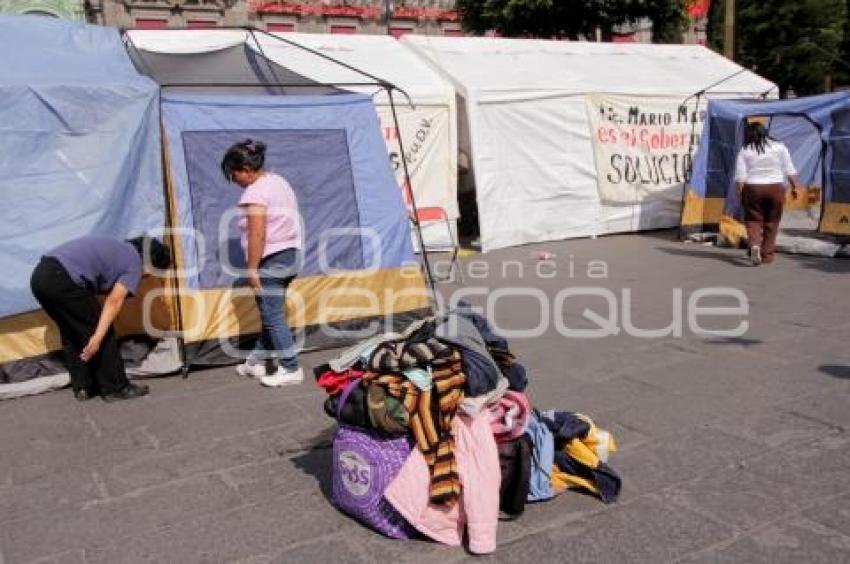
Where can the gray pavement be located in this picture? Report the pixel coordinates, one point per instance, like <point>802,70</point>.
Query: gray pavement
<point>731,449</point>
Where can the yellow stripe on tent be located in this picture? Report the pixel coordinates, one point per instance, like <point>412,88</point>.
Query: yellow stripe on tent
<point>34,334</point>
<point>315,300</point>
<point>26,335</point>
<point>808,198</point>
<point>836,219</point>
<point>710,211</point>
<point>223,313</point>
<point>702,211</point>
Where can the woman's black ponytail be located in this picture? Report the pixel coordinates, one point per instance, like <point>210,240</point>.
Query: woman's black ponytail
<point>245,155</point>
<point>756,137</point>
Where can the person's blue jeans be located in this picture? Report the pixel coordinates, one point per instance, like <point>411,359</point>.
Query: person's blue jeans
<point>276,272</point>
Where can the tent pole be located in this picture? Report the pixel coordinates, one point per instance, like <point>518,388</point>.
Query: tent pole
<point>690,168</point>
<point>717,83</point>
<point>409,186</point>
<point>699,94</point>
<point>169,223</point>
<point>128,45</point>
<point>252,29</point>
<point>274,84</point>
<point>823,151</point>
<point>263,54</point>
<point>380,82</point>
<point>822,160</point>
<point>389,87</point>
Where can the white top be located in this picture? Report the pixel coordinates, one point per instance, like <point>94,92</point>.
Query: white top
<point>500,70</point>
<point>379,55</point>
<point>772,166</point>
<point>283,220</point>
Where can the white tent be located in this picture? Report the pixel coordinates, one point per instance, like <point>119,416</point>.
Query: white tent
<point>575,139</point>
<point>428,126</point>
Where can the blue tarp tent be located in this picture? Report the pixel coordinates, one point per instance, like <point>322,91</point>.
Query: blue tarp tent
<point>79,154</point>
<point>82,153</point>
<point>357,236</point>
<point>359,274</point>
<point>816,130</point>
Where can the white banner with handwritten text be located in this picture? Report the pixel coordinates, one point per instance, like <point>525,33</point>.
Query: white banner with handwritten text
<point>643,145</point>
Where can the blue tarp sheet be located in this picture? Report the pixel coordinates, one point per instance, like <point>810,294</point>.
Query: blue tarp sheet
<point>79,144</point>
<point>330,150</point>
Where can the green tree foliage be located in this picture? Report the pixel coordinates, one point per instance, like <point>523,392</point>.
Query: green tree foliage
<point>841,70</point>
<point>668,17</point>
<point>795,43</point>
<point>571,19</point>
<point>714,26</point>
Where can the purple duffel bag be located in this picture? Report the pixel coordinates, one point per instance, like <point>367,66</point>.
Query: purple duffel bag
<point>364,463</point>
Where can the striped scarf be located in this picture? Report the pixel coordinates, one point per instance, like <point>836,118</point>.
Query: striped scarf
<point>395,356</point>
<point>431,415</point>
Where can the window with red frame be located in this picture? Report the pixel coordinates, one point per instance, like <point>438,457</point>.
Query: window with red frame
<point>278,27</point>
<point>344,29</point>
<point>400,31</point>
<point>200,24</point>
<point>624,38</point>
<point>151,23</point>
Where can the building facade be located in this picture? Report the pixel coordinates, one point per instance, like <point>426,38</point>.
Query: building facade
<point>395,17</point>
<point>432,17</point>
<point>70,9</point>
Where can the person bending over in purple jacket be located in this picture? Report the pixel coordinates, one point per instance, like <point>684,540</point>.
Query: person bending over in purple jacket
<point>66,283</point>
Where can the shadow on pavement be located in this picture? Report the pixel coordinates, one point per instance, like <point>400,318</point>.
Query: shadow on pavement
<point>316,461</point>
<point>836,371</point>
<point>734,341</point>
<point>710,253</point>
<point>665,234</point>
<point>822,264</point>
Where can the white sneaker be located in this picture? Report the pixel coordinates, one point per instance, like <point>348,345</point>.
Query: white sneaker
<point>755,255</point>
<point>283,377</point>
<point>250,369</point>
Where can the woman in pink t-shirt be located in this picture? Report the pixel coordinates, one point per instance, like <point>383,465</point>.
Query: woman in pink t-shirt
<point>271,240</point>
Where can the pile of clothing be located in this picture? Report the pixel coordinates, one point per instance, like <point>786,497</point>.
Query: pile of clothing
<point>480,451</point>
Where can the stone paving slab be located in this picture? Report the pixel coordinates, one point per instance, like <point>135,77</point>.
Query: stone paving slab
<point>731,450</point>
<point>788,541</point>
<point>101,521</point>
<point>810,471</point>
<point>675,459</point>
<point>775,427</point>
<point>834,513</point>
<point>645,530</point>
<point>732,496</point>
